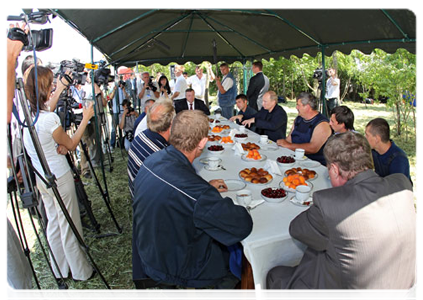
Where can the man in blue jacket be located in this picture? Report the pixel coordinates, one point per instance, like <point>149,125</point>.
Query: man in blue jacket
<point>183,224</point>
<point>387,156</point>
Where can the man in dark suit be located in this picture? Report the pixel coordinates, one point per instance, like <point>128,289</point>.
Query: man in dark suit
<point>191,103</point>
<point>360,234</point>
<point>258,86</point>
<point>271,120</point>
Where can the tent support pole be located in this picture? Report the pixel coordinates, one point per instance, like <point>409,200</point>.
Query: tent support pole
<point>244,71</point>
<point>323,91</point>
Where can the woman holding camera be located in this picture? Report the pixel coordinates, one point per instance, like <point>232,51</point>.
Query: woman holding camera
<point>164,87</point>
<point>65,247</point>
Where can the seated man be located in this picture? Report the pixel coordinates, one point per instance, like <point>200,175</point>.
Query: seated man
<point>191,103</point>
<point>360,234</point>
<point>183,224</point>
<point>341,119</point>
<point>126,122</point>
<point>310,130</point>
<point>154,138</point>
<point>388,158</point>
<point>271,119</point>
<point>147,105</point>
<point>245,112</point>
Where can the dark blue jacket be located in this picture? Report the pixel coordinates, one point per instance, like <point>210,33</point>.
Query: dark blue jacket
<point>393,161</point>
<point>182,223</point>
<point>273,123</point>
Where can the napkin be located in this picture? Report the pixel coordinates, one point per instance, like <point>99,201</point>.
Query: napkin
<point>272,167</point>
<point>254,204</point>
<point>238,149</point>
<point>232,133</point>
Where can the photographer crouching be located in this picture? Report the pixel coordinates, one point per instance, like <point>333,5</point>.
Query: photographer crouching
<point>126,122</point>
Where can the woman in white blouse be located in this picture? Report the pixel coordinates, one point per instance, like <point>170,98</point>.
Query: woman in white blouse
<point>65,247</point>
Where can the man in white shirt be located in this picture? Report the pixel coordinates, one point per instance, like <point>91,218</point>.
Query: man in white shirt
<point>180,85</point>
<point>198,83</point>
<point>147,89</point>
<point>332,90</point>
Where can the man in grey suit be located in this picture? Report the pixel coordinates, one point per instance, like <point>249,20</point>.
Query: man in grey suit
<point>360,234</point>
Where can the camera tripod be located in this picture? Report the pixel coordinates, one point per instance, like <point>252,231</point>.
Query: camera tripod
<point>50,177</point>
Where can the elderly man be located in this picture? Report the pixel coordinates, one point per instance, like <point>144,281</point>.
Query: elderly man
<point>387,156</point>
<point>341,119</point>
<point>154,138</point>
<point>227,91</point>
<point>310,131</point>
<point>191,103</point>
<point>147,89</point>
<point>183,224</point>
<point>271,120</point>
<point>360,234</point>
<point>258,86</point>
<point>180,84</point>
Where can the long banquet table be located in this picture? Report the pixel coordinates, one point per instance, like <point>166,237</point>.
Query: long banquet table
<point>269,243</point>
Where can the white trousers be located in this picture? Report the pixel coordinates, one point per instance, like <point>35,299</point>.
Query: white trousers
<point>63,242</point>
<point>18,276</point>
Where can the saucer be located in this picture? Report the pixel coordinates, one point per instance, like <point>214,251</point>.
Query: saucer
<point>297,202</point>
<point>214,169</point>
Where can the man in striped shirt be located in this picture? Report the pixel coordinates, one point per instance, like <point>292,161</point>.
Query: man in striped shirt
<point>153,139</point>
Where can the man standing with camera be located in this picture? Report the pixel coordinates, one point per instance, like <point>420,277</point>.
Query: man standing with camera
<point>126,122</point>
<point>147,89</point>
<point>117,108</point>
<point>332,90</point>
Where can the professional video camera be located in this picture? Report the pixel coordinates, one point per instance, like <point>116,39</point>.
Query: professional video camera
<point>318,74</point>
<point>77,69</point>
<point>102,76</point>
<point>36,39</point>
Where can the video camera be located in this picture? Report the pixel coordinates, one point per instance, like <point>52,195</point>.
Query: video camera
<point>39,40</point>
<point>102,76</point>
<point>318,74</point>
<point>77,69</point>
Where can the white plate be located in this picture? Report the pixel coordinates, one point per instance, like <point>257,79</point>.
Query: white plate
<point>256,183</point>
<point>274,200</point>
<point>205,160</point>
<point>296,202</point>
<point>310,179</point>
<point>310,164</point>
<point>210,169</point>
<point>234,184</point>
<point>263,157</point>
<point>282,185</point>
<point>301,159</point>
<point>271,147</point>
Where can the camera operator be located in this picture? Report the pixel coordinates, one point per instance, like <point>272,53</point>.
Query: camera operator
<point>332,90</point>
<point>80,93</point>
<point>118,94</point>
<point>147,89</point>
<point>65,247</point>
<point>19,274</point>
<point>127,121</point>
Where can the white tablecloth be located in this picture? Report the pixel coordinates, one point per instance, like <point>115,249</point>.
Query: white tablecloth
<point>269,243</point>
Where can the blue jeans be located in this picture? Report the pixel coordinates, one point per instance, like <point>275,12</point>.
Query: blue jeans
<point>227,111</point>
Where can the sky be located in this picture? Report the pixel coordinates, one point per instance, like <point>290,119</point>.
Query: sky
<point>67,43</point>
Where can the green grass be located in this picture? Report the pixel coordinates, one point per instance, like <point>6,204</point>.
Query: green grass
<point>113,254</point>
